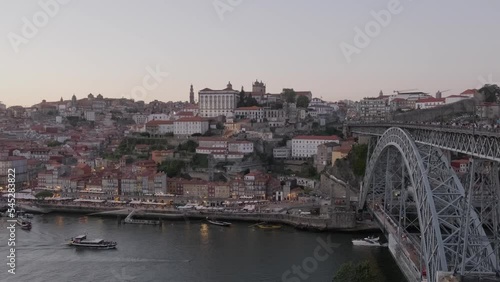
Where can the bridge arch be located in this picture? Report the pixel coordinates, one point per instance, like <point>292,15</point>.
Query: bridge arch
<point>451,235</point>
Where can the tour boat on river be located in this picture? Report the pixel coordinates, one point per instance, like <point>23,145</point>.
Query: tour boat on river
<point>268,226</point>
<point>82,241</point>
<point>369,241</point>
<point>219,223</point>
<point>24,223</point>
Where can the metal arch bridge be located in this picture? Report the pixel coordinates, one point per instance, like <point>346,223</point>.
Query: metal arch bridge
<point>475,142</point>
<point>451,224</point>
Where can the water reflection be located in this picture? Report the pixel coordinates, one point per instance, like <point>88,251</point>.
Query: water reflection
<point>204,233</point>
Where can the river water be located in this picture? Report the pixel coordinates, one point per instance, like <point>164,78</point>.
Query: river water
<point>181,251</point>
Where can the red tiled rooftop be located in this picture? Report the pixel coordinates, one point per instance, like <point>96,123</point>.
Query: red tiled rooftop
<point>315,137</point>
<point>428,100</point>
<point>191,119</point>
<point>185,114</point>
<point>158,122</point>
<point>469,92</point>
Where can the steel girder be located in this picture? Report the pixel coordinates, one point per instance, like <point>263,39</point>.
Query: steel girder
<point>481,144</point>
<point>483,195</point>
<point>450,229</point>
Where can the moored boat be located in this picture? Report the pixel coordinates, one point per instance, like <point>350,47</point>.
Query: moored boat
<point>82,241</point>
<point>219,223</point>
<point>268,226</point>
<point>368,241</point>
<point>24,223</point>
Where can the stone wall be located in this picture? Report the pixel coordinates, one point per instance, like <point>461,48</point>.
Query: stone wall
<point>445,112</point>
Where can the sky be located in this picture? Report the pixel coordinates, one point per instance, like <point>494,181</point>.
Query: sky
<point>154,49</point>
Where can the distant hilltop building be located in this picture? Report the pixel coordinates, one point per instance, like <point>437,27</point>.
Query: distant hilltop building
<point>258,89</point>
<point>191,95</point>
<point>213,103</point>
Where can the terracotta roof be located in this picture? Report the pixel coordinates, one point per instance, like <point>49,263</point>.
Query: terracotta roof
<point>469,92</point>
<point>159,122</point>
<point>315,137</point>
<point>185,114</point>
<point>191,119</point>
<point>427,100</point>
<point>462,161</point>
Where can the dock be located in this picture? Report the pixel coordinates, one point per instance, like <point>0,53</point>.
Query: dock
<point>131,220</point>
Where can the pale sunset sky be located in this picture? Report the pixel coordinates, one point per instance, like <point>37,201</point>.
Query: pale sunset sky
<point>92,46</point>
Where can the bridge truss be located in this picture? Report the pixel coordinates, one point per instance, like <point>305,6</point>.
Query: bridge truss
<point>482,144</point>
<point>413,184</point>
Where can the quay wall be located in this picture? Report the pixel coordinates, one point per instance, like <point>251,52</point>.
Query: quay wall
<point>339,220</point>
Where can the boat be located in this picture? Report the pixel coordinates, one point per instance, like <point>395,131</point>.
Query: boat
<point>268,226</point>
<point>368,241</point>
<point>82,241</point>
<point>219,223</point>
<point>24,223</point>
<point>141,221</point>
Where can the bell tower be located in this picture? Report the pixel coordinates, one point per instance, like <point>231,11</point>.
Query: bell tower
<point>191,95</point>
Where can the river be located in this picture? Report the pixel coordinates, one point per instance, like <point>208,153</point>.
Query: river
<point>181,251</point>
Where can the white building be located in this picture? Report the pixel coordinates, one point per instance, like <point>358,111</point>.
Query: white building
<point>306,146</point>
<point>157,117</point>
<point>245,147</point>
<point>190,126</point>
<point>256,113</point>
<point>213,103</point>
<point>282,153</point>
<point>89,115</point>
<point>428,103</point>
<point>455,98</point>
<point>160,126</point>
<point>140,118</point>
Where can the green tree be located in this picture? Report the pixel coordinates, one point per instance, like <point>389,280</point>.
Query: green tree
<point>54,143</point>
<point>360,272</point>
<point>357,157</point>
<point>289,95</point>
<point>189,146</point>
<point>172,168</point>
<point>491,93</point>
<point>302,102</point>
<point>200,160</point>
<point>246,100</point>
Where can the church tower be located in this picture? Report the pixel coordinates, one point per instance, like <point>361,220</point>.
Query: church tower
<point>191,95</point>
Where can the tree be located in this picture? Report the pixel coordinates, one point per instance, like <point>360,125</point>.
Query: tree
<point>189,146</point>
<point>246,100</point>
<point>200,160</point>
<point>491,93</point>
<point>302,102</point>
<point>172,168</point>
<point>360,272</point>
<point>357,157</point>
<point>289,95</point>
<point>54,143</point>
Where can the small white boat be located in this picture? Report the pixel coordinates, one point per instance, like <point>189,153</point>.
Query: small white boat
<point>369,241</point>
<point>219,223</point>
<point>24,223</point>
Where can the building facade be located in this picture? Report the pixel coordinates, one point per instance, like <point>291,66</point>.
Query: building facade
<point>307,146</point>
<point>213,103</point>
